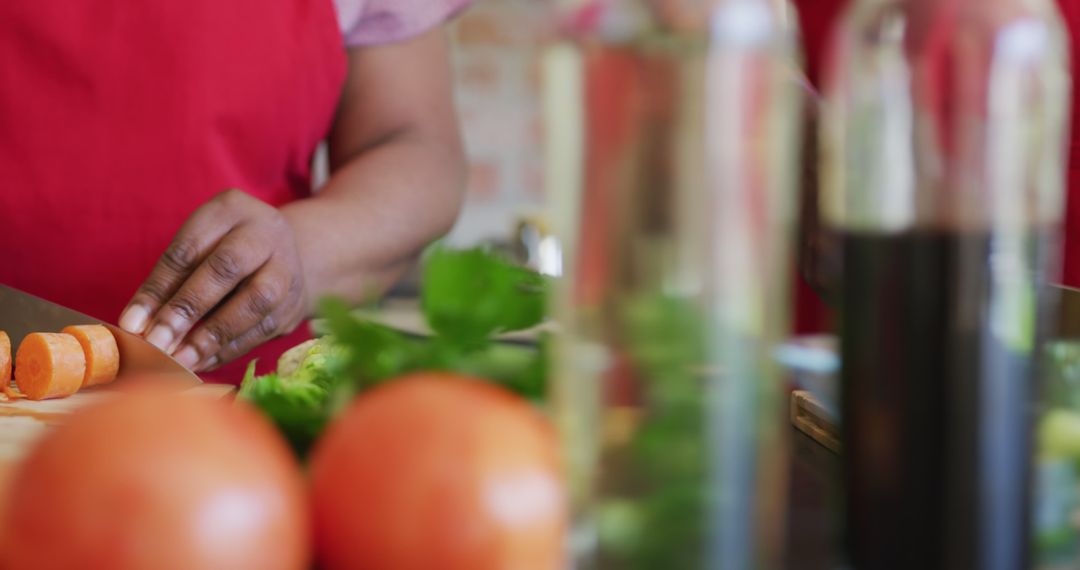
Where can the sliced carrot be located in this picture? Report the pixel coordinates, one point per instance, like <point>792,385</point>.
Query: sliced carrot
<point>11,393</point>
<point>5,359</point>
<point>102,354</point>
<point>49,365</point>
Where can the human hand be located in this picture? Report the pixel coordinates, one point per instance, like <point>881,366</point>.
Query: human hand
<point>230,280</point>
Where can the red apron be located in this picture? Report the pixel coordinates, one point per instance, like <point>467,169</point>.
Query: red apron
<point>118,119</point>
<point>816,20</point>
<point>1070,10</point>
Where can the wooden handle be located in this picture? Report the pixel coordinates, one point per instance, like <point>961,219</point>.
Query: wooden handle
<point>809,417</point>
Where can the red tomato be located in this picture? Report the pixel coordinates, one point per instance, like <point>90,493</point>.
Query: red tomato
<point>159,482</point>
<point>438,471</point>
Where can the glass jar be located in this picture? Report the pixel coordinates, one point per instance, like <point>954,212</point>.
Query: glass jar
<point>673,131</point>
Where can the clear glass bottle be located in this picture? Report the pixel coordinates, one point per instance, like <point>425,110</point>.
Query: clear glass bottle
<point>943,174</point>
<point>673,136</point>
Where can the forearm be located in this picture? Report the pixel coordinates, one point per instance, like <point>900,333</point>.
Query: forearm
<point>240,271</point>
<point>375,215</point>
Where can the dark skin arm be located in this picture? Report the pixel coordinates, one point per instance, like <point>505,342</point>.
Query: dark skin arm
<point>245,272</point>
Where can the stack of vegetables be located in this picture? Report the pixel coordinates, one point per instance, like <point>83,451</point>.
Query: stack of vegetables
<point>56,365</point>
<point>468,299</point>
<point>382,450</point>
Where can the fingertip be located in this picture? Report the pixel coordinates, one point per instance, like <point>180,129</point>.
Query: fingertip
<point>135,318</point>
<point>209,365</point>
<point>188,357</point>
<point>161,336</point>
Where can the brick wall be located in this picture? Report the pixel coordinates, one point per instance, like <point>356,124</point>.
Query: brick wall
<point>497,46</point>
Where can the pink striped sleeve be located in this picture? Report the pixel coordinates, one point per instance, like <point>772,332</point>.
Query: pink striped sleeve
<point>371,22</point>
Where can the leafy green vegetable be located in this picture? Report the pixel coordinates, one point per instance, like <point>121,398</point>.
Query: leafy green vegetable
<point>373,352</point>
<point>293,358</point>
<point>296,395</point>
<point>660,486</point>
<point>1062,370</point>
<point>296,404</point>
<point>376,353</point>
<point>468,296</point>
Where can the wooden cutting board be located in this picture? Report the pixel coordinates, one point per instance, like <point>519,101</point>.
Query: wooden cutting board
<point>22,422</point>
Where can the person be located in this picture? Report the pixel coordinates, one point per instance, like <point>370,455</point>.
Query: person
<point>156,161</point>
<point>818,19</point>
<point>815,280</point>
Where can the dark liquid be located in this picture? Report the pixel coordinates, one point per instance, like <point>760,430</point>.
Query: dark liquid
<point>938,384</point>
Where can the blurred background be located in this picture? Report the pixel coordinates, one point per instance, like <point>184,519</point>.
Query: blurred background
<point>497,54</point>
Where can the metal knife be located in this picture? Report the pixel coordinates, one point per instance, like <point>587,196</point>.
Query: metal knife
<point>22,314</point>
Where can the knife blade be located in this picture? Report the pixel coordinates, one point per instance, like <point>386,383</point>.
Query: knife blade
<point>22,313</point>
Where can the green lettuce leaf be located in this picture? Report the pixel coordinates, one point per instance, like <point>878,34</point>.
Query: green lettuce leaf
<point>470,295</point>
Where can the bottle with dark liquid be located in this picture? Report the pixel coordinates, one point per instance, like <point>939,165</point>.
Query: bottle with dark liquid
<point>943,170</point>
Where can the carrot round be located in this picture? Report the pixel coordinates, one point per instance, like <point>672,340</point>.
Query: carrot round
<point>99,348</point>
<point>5,359</point>
<point>49,365</point>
